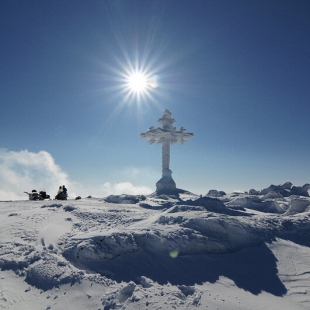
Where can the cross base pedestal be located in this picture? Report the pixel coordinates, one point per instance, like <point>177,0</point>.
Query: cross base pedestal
<point>166,185</point>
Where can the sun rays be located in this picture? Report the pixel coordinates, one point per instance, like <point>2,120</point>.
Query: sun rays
<point>137,82</point>
<point>139,85</point>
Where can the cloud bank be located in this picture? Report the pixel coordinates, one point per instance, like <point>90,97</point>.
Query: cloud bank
<point>24,171</point>
<point>124,188</point>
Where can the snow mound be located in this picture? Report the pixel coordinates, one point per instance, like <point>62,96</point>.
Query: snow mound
<point>298,205</point>
<point>209,204</point>
<point>17,256</point>
<point>51,271</point>
<point>216,193</point>
<point>285,190</point>
<point>104,247</point>
<point>255,203</point>
<point>271,195</point>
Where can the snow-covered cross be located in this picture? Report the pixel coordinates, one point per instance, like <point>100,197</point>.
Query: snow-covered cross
<point>166,135</point>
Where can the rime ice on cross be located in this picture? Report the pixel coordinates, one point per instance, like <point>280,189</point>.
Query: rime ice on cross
<point>166,135</point>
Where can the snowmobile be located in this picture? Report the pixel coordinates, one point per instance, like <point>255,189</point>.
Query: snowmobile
<point>34,195</point>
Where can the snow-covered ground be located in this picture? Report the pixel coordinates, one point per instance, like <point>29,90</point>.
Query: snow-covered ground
<point>221,251</point>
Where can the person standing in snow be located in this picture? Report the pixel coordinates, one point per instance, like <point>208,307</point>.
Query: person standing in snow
<point>62,193</point>
<point>58,193</point>
<point>64,190</point>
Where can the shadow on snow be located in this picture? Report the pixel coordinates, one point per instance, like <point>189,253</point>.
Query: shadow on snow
<point>252,269</point>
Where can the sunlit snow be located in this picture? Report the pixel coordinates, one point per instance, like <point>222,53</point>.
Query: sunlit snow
<point>218,251</point>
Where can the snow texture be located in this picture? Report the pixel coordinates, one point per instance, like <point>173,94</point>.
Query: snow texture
<point>220,251</point>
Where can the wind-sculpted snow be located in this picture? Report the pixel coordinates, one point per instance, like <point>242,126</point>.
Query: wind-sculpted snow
<point>255,203</point>
<point>159,251</point>
<point>103,247</point>
<point>184,230</point>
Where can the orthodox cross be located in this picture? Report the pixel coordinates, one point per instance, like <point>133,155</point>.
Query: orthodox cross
<point>166,135</point>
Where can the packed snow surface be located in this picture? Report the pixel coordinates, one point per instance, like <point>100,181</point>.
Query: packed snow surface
<point>220,251</point>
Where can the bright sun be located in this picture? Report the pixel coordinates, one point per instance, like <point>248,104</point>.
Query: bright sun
<point>137,82</point>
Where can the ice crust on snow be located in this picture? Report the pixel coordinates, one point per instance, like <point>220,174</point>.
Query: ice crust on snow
<point>129,248</point>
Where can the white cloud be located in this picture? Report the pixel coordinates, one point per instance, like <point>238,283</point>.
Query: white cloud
<point>24,171</point>
<point>124,188</point>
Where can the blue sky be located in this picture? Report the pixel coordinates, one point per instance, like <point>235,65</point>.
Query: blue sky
<point>235,73</point>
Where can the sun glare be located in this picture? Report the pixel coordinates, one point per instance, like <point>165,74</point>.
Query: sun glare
<point>137,82</point>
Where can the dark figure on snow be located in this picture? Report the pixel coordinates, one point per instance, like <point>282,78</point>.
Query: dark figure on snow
<point>34,195</point>
<point>43,195</point>
<point>62,193</point>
